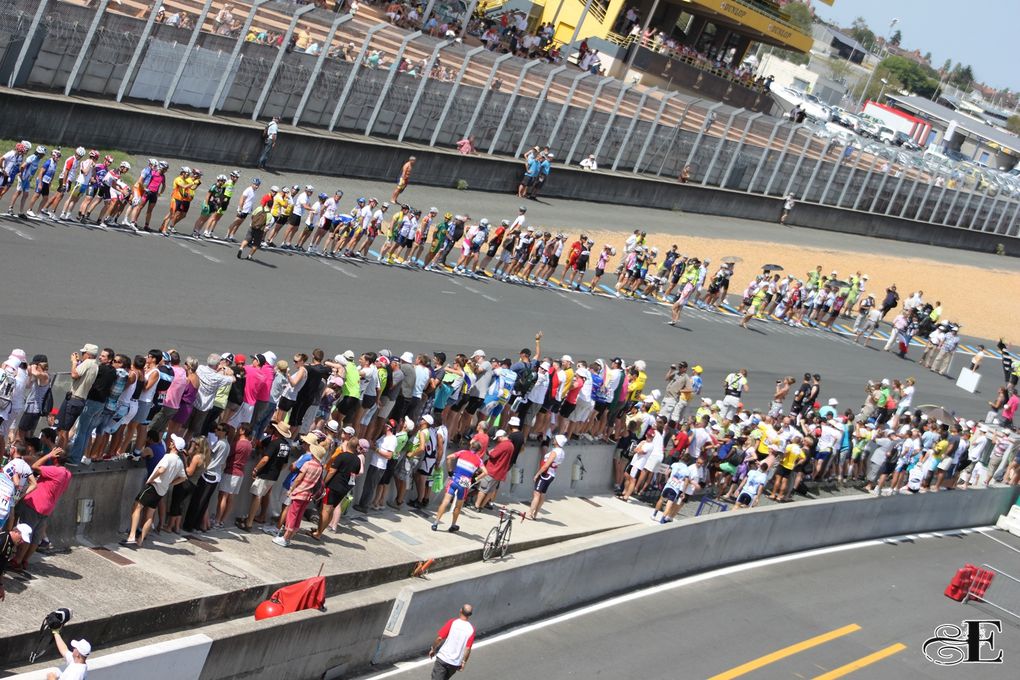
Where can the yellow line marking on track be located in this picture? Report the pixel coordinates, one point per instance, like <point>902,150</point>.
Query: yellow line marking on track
<point>777,655</point>
<point>862,662</point>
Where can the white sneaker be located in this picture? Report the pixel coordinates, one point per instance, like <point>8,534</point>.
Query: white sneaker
<point>30,213</point>
<point>279,540</point>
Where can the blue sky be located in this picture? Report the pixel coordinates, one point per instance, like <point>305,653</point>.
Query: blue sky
<point>978,32</point>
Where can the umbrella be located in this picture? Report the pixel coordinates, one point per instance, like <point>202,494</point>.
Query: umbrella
<point>732,259</point>
<point>939,413</point>
<point>772,268</point>
<point>837,283</point>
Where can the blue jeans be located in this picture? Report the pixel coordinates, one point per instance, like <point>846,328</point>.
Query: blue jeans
<point>267,150</point>
<point>86,423</point>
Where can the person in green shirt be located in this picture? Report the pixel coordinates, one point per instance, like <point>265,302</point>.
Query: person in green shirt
<point>438,239</point>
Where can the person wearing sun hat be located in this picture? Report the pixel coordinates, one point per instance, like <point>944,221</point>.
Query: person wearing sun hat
<point>275,455</point>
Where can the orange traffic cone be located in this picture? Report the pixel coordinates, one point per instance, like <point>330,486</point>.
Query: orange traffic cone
<point>958,587</point>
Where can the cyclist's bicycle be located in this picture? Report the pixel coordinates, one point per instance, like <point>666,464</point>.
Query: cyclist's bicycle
<point>498,540</point>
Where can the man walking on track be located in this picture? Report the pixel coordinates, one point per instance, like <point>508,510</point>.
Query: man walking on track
<point>452,645</point>
<point>405,175</point>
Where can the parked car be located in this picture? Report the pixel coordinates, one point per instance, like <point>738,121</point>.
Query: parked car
<point>815,108</point>
<point>902,139</point>
<point>868,128</point>
<point>886,134</point>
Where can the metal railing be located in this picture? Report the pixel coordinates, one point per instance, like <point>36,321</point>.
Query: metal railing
<point>453,91</point>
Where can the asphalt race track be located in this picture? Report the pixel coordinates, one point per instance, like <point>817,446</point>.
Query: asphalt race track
<point>66,284</point>
<point>865,612</point>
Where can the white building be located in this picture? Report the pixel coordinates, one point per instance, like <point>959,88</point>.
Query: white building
<point>800,78</point>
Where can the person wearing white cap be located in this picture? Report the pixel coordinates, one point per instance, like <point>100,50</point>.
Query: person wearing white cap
<point>169,472</point>
<point>76,655</point>
<point>9,543</point>
<point>546,474</point>
<point>422,457</point>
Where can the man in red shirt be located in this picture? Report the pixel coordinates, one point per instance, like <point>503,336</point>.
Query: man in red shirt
<point>38,505</point>
<point>452,646</point>
<point>497,465</point>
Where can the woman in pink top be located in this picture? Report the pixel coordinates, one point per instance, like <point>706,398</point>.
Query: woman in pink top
<point>306,485</point>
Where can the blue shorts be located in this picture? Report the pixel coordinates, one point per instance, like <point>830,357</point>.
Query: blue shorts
<point>670,494</point>
<point>25,184</point>
<point>822,455</point>
<point>458,488</point>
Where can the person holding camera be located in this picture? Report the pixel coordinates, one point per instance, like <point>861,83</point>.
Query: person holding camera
<point>76,656</point>
<point>9,542</point>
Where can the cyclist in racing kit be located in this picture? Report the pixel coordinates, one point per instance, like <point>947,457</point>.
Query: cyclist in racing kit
<point>110,193</point>
<point>78,185</point>
<point>330,207</point>
<point>184,186</point>
<point>462,466</point>
<point>23,181</point>
<point>150,186</point>
<point>214,201</point>
<point>245,208</point>
<point>98,190</point>
<point>10,166</point>
<point>42,184</point>
<point>438,239</point>
<point>546,474</point>
<point>64,181</point>
<point>228,193</point>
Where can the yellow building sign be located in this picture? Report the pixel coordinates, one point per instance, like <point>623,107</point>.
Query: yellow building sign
<point>758,22</point>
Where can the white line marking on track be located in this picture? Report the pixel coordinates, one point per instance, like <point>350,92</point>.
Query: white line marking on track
<point>339,269</point>
<point>15,230</point>
<point>680,583</point>
<point>196,251</point>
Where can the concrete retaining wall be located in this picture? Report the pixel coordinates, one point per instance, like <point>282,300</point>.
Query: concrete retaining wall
<point>169,660</point>
<point>541,582</point>
<point>349,635</point>
<point>55,120</point>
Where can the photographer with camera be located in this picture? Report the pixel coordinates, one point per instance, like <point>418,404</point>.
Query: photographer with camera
<point>76,657</point>
<point>9,542</point>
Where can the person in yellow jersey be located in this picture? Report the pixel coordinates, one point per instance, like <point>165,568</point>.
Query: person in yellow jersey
<point>181,195</point>
<point>792,457</point>
<point>283,205</point>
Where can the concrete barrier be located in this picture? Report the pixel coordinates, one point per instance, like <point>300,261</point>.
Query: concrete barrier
<point>349,636</point>
<point>301,645</point>
<point>168,660</point>
<point>108,489</point>
<point>71,122</point>
<point>541,582</point>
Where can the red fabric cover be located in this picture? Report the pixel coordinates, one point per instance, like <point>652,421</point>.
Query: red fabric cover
<point>307,594</point>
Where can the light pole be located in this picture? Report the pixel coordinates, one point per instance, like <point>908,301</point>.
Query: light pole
<point>860,100</point>
<point>882,89</point>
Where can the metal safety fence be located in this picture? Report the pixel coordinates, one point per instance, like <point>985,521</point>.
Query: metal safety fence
<point>356,73</point>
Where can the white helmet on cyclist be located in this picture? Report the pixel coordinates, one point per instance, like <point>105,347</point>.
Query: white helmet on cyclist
<point>79,152</point>
<point>124,165</point>
<point>40,150</point>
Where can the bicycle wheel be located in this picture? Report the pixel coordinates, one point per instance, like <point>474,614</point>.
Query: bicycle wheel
<point>491,544</point>
<point>504,545</point>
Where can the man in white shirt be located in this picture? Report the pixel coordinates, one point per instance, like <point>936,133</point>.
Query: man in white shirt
<point>452,646</point>
<point>76,657</point>
<point>269,141</point>
<point>244,209</point>
<point>589,163</point>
